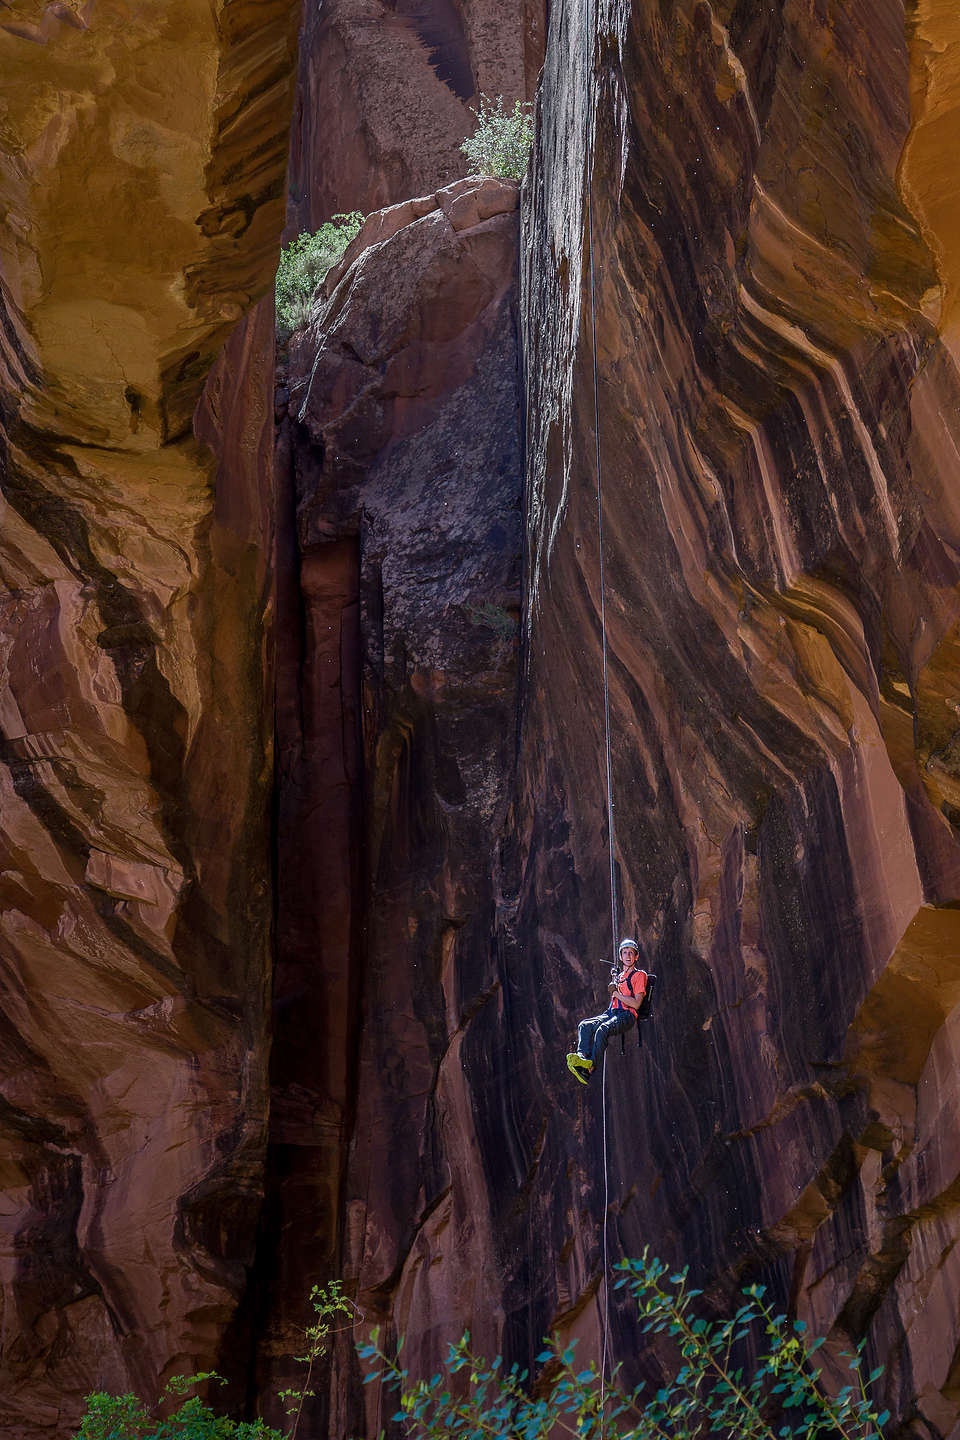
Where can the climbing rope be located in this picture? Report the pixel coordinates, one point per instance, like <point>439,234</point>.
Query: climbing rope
<point>603,603</point>
<point>591,31</point>
<point>606,1258</point>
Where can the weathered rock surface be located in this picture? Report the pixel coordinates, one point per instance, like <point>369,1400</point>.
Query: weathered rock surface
<point>778,397</point>
<point>774,257</point>
<point>775,244</point>
<point>141,198</point>
<point>142,188</point>
<point>396,705</point>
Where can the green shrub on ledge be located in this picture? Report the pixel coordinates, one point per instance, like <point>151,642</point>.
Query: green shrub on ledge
<point>304,264</point>
<point>500,145</point>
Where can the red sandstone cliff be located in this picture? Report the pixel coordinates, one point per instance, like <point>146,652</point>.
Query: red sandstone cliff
<point>778,410</point>
<point>142,163</point>
<point>396,721</point>
<point>774,223</point>
<point>776,395</point>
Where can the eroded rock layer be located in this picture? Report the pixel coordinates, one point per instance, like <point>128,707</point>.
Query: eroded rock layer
<point>142,160</point>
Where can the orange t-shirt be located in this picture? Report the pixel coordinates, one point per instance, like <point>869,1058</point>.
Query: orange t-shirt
<point>632,983</point>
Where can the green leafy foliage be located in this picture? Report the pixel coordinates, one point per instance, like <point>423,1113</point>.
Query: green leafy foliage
<point>500,145</point>
<point>328,1303</point>
<point>708,1396</point>
<point>304,264</point>
<point>124,1417</point>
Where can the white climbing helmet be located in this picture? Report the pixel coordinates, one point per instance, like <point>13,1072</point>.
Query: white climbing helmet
<point>628,944</point>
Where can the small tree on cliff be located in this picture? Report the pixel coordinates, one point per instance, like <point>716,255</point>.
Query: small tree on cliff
<point>501,143</point>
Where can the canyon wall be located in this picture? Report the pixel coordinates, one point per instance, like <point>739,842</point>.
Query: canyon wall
<point>143,187</point>
<point>777,401</point>
<point>142,165</point>
<point>396,719</point>
<point>777,393</point>
<point>775,246</point>
<point>386,90</point>
<point>399,544</point>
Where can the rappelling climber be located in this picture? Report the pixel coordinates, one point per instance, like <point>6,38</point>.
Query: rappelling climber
<point>629,987</point>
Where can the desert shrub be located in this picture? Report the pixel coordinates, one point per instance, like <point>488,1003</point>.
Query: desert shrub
<point>304,264</point>
<point>709,1394</point>
<point>501,143</point>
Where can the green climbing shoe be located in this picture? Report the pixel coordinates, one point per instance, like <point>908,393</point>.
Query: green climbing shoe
<point>579,1066</point>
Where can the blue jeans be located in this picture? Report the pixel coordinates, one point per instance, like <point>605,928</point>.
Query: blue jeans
<point>594,1034</point>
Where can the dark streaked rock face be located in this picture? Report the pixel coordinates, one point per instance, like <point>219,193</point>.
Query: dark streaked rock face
<point>778,423</point>
<point>776,392</point>
<point>402,435</point>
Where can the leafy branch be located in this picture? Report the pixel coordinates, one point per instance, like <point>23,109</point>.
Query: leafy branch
<point>125,1417</point>
<point>328,1302</point>
<point>709,1394</point>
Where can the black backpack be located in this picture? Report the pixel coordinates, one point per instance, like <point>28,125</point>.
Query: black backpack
<point>645,1011</point>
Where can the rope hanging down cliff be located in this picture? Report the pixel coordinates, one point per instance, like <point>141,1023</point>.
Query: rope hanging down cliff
<point>590,74</point>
